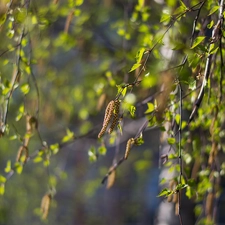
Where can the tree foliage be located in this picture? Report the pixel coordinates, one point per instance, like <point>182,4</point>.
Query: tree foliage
<point>63,63</point>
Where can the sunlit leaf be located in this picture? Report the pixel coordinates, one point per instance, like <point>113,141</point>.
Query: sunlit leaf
<point>2,179</point>
<point>92,154</point>
<point>54,148</point>
<point>139,55</point>
<point>18,167</point>
<point>102,150</point>
<point>69,136</point>
<point>132,110</point>
<point>165,192</point>
<point>134,67</point>
<point>151,107</point>
<point>197,41</point>
<point>2,189</point>
<point>8,166</point>
<point>171,141</point>
<point>213,9</point>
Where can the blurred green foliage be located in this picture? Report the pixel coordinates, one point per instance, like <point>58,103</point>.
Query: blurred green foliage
<point>61,62</point>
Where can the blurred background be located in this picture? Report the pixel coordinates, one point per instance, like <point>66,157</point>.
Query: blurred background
<point>61,63</point>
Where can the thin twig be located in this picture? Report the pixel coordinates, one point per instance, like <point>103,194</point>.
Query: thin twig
<point>215,36</point>
<point>14,80</point>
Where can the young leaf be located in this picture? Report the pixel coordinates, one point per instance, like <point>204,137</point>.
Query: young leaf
<point>213,9</point>
<point>171,141</point>
<point>102,150</point>
<point>25,88</point>
<point>132,110</point>
<point>69,136</point>
<point>177,118</point>
<point>54,148</point>
<point>8,166</point>
<point>92,154</point>
<point>139,55</point>
<point>134,67</point>
<point>164,192</point>
<point>197,41</point>
<point>2,179</point>
<point>151,107</point>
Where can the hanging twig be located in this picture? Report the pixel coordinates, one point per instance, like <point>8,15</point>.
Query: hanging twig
<point>215,36</point>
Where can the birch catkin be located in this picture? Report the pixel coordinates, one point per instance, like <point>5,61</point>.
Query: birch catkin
<point>45,205</point>
<point>130,142</point>
<point>111,179</point>
<point>107,117</point>
<point>115,116</point>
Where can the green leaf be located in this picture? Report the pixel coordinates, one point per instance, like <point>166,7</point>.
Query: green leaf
<point>37,159</point>
<point>120,128</point>
<point>46,162</point>
<point>69,136</point>
<point>139,140</point>
<point>177,118</point>
<point>190,192</point>
<point>165,192</point>
<point>139,55</point>
<point>165,17</point>
<point>8,166</point>
<point>171,141</point>
<point>20,14</point>
<point>183,5</point>
<point>197,41</point>
<point>179,10</point>
<point>18,167</point>
<point>213,9</point>
<point>124,91</point>
<point>151,107</point>
<point>141,3</point>
<point>92,154</point>
<point>25,88</point>
<point>210,25</point>
<point>192,84</point>
<point>54,148</point>
<point>213,49</point>
<point>134,67</point>
<point>102,150</point>
<point>2,179</point>
<point>79,2</point>
<point>181,186</point>
<point>132,111</point>
<point>2,18</point>
<point>2,189</point>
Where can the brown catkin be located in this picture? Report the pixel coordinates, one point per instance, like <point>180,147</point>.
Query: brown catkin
<point>175,197</point>
<point>130,142</point>
<point>177,210</point>
<point>111,178</point>
<point>45,204</point>
<point>115,116</point>
<point>108,115</point>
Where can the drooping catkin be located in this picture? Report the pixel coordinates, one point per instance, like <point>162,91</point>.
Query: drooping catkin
<point>177,208</point>
<point>108,115</point>
<point>130,142</point>
<point>111,179</point>
<point>115,116</point>
<point>45,205</point>
<point>175,197</point>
